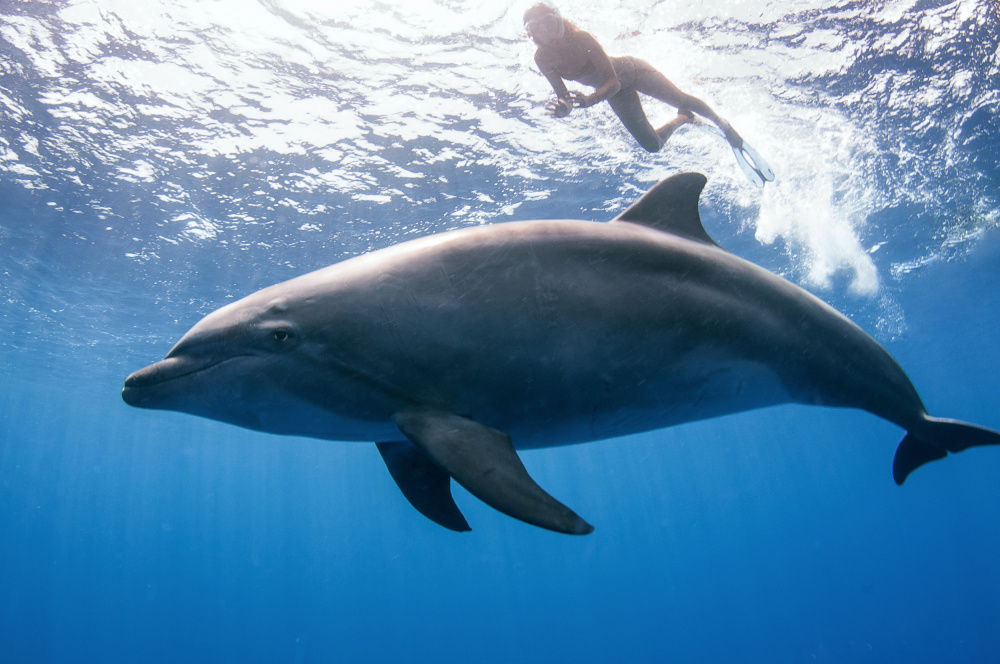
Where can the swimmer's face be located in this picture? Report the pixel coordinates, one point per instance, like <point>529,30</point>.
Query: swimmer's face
<point>545,28</point>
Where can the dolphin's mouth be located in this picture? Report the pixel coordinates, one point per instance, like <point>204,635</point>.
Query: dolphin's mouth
<point>135,392</point>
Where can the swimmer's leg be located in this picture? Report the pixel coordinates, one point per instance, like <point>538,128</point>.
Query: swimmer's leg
<point>651,82</point>
<point>628,108</point>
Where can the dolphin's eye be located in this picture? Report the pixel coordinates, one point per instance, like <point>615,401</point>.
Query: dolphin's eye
<point>278,338</point>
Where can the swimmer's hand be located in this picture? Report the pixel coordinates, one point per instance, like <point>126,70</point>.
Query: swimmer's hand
<point>559,108</point>
<point>581,100</point>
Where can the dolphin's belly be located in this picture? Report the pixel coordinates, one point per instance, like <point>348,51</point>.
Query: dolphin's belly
<point>704,384</point>
<point>579,381</point>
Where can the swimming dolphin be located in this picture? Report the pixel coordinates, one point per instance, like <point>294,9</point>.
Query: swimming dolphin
<point>453,350</point>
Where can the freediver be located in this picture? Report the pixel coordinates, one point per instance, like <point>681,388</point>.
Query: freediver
<point>567,52</point>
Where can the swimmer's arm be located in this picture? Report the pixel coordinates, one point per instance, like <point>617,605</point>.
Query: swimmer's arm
<point>555,80</point>
<point>549,71</point>
<point>564,104</point>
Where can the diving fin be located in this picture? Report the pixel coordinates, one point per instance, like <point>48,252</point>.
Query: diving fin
<point>761,166</point>
<point>424,483</point>
<point>758,171</point>
<point>750,162</point>
<point>483,461</point>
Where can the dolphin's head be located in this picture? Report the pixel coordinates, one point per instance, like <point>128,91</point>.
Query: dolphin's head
<point>231,366</point>
<point>268,362</point>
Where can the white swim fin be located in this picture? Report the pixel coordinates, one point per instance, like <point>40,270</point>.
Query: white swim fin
<point>751,163</point>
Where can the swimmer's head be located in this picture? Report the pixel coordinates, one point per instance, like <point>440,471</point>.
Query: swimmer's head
<point>544,23</point>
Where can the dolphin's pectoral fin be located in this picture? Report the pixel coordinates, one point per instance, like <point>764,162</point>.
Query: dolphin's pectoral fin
<point>483,461</point>
<point>937,437</point>
<point>424,483</point>
<point>671,206</point>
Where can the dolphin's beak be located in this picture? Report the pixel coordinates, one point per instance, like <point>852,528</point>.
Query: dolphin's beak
<point>134,392</point>
<point>137,392</point>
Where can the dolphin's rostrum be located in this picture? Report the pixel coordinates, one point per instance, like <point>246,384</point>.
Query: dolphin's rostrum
<point>454,350</point>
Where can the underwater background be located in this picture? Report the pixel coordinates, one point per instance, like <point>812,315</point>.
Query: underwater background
<point>159,159</point>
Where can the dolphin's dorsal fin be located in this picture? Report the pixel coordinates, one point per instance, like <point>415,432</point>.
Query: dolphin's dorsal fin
<point>671,206</point>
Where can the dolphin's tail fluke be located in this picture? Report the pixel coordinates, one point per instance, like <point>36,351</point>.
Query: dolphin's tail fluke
<point>936,438</point>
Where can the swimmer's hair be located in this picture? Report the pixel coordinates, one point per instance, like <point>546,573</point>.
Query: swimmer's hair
<point>542,8</point>
<point>539,9</point>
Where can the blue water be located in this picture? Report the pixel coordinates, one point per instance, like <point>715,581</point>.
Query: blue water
<point>158,160</point>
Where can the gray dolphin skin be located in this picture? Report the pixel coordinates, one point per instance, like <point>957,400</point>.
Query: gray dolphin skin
<point>454,350</point>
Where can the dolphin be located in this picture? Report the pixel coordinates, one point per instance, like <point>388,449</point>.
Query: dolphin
<point>454,350</point>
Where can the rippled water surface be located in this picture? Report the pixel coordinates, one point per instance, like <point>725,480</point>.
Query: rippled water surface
<point>160,159</point>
